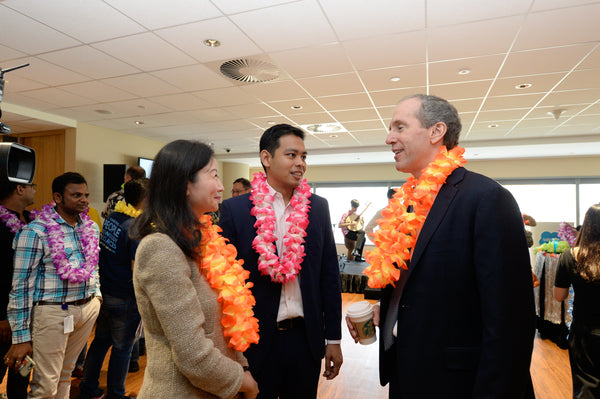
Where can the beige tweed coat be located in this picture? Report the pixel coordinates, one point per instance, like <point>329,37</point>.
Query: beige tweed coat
<point>187,353</point>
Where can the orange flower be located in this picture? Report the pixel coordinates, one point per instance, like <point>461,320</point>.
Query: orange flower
<point>226,275</point>
<point>399,228</point>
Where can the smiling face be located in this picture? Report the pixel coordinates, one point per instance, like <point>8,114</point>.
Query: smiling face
<point>413,145</point>
<point>286,167</point>
<point>204,192</point>
<point>73,201</point>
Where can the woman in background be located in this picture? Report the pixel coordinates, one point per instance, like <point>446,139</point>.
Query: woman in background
<point>580,267</point>
<point>190,345</point>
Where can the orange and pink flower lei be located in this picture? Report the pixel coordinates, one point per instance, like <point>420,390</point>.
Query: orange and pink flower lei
<point>399,228</point>
<point>285,268</point>
<point>226,275</point>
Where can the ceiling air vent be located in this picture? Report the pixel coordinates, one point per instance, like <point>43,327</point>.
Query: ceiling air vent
<point>249,71</point>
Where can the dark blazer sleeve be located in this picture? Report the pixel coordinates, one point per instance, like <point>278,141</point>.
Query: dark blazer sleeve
<point>505,287</point>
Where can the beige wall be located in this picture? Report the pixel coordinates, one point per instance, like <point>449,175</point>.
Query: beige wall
<point>96,146</point>
<point>232,171</point>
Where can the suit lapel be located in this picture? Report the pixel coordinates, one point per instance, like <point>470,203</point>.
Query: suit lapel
<point>436,215</point>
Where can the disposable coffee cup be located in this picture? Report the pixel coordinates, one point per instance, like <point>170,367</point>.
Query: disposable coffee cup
<point>361,317</point>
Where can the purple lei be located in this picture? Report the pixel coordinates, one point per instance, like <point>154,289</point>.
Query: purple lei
<point>11,220</point>
<point>64,268</point>
<point>567,232</point>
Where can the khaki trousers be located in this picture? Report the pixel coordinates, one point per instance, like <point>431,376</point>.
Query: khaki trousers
<point>55,352</point>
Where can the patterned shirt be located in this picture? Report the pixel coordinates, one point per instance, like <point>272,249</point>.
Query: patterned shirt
<point>35,278</point>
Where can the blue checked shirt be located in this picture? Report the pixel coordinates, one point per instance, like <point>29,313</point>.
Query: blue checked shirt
<point>35,277</point>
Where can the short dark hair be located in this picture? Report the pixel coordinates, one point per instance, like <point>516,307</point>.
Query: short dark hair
<point>135,172</point>
<point>60,182</point>
<point>167,208</point>
<point>135,190</point>
<point>7,188</point>
<point>391,192</point>
<point>245,182</point>
<point>270,139</point>
<point>435,109</point>
<point>354,203</point>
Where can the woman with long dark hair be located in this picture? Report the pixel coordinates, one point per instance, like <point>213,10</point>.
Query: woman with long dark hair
<point>191,292</point>
<point>580,267</point>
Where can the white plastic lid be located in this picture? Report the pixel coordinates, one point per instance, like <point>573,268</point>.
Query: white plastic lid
<point>360,309</point>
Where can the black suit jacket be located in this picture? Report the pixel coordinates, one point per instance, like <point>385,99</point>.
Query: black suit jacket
<point>319,277</point>
<point>466,321</point>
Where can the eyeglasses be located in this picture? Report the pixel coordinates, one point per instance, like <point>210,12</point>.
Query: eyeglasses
<point>32,185</point>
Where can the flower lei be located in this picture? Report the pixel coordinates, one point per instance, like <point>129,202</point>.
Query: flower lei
<point>226,275</point>
<point>11,220</point>
<point>89,241</point>
<point>129,210</point>
<point>285,268</point>
<point>567,232</point>
<point>399,228</point>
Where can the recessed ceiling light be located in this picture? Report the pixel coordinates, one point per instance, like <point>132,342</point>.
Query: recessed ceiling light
<point>333,136</point>
<point>493,125</point>
<point>395,79</point>
<point>139,122</point>
<point>523,86</point>
<point>324,127</point>
<point>212,43</point>
<point>103,111</point>
<point>464,71</point>
<point>296,107</point>
<point>270,122</point>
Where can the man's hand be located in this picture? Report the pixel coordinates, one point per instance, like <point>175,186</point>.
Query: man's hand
<point>333,361</point>
<point>17,353</point>
<point>5,332</point>
<point>352,330</point>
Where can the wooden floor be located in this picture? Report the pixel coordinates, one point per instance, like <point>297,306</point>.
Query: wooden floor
<point>359,376</point>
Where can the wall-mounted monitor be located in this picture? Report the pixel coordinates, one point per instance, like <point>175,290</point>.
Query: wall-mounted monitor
<point>146,163</point>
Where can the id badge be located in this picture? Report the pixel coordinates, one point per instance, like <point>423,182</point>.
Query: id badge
<point>68,324</point>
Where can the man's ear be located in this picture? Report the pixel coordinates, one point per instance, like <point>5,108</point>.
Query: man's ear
<point>438,131</point>
<point>57,197</point>
<point>265,158</point>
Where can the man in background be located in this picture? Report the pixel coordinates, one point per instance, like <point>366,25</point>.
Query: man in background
<point>55,284</point>
<point>241,186</point>
<point>14,198</point>
<point>132,173</point>
<point>349,229</point>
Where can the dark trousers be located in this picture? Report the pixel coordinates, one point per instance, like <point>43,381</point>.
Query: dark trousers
<point>16,386</point>
<point>289,371</point>
<point>584,356</point>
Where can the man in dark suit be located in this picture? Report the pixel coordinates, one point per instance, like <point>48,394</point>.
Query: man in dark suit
<point>459,321</point>
<point>288,247</point>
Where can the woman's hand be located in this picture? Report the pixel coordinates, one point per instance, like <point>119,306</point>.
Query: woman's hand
<point>249,386</point>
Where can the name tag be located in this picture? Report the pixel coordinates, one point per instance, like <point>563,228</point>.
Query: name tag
<point>68,324</point>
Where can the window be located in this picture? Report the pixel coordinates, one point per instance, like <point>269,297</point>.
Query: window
<point>589,194</point>
<point>546,202</point>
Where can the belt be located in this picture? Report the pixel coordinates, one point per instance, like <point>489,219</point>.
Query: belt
<point>288,324</point>
<point>78,302</point>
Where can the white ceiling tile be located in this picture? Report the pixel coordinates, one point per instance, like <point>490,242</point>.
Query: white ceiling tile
<point>214,115</point>
<point>28,36</point>
<point>193,78</point>
<point>155,14</point>
<point>442,12</point>
<point>346,83</point>
<point>588,79</point>
<point>556,59</point>
<point>132,108</point>
<point>290,22</point>
<point>593,60</point>
<point>7,53</point>
<point>387,51</point>
<point>502,115</point>
<point>461,90</point>
<point>364,125</point>
<point>314,61</point>
<point>182,102</point>
<point>345,101</point>
<point>25,101</point>
<point>480,68</point>
<point>89,61</point>
<point>142,84</point>
<point>410,76</point>
<point>84,113</point>
<point>527,100</point>
<point>468,105</point>
<point>541,5</point>
<point>250,110</point>
<point>560,98</point>
<point>358,19</point>
<point>58,97</point>
<point>313,118</point>
<point>145,51</point>
<point>355,115</point>
<point>285,107</point>
<point>226,96</point>
<point>44,72</point>
<point>275,91</point>
<point>372,137</point>
<point>98,92</point>
<point>540,29</point>
<point>190,37</point>
<point>17,84</point>
<point>263,123</point>
<point>389,98</point>
<point>234,7</point>
<point>539,84</point>
<point>476,39</point>
<point>338,139</point>
<point>86,20</point>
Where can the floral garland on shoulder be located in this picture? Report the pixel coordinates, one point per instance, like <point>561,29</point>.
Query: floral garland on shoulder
<point>285,268</point>
<point>89,241</point>
<point>226,275</point>
<point>12,221</point>
<point>399,228</point>
<point>127,209</point>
